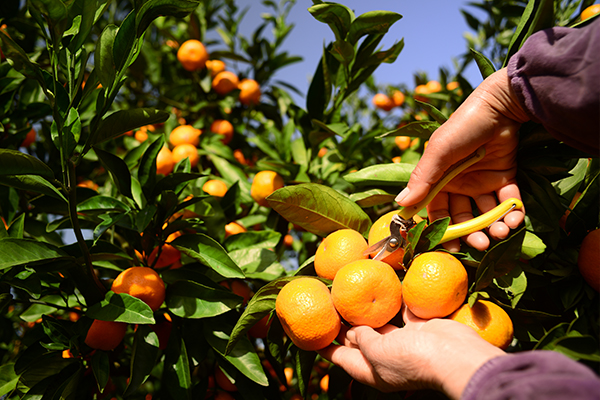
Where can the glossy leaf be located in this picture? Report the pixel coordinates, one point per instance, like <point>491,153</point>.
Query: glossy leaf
<point>318,209</point>
<point>382,175</point>
<point>124,42</point>
<point>87,11</point>
<point>121,307</point>
<point>243,355</point>
<point>27,251</point>
<point>196,300</point>
<point>538,15</point>
<point>8,378</point>
<point>258,239</point>
<point>258,263</point>
<point>208,251</point>
<point>153,9</point>
<point>373,197</point>
<point>304,362</point>
<point>337,16</point>
<point>485,65</point>
<point>172,181</point>
<point>17,57</point>
<point>143,359</point>
<point>176,374</point>
<point>420,129</point>
<point>371,22</point>
<point>499,260</point>
<point>119,172</point>
<point>432,111</point>
<point>101,369</point>
<point>14,162</point>
<point>147,168</point>
<point>514,284</point>
<point>122,121</point>
<point>103,58</point>
<point>532,246</point>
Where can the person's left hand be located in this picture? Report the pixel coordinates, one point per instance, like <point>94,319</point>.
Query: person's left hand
<point>437,354</point>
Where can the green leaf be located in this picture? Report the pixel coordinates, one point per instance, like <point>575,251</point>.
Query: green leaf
<point>122,307</point>
<point>101,369</point>
<point>103,58</point>
<point>337,16</point>
<point>371,22</point>
<point>532,246</point>
<point>485,65</point>
<point>258,239</point>
<point>196,300</point>
<point>153,9</point>
<point>176,375</point>
<point>381,175</point>
<point>208,251</point>
<point>27,251</point>
<point>261,304</point>
<point>373,197</point>
<point>578,347</point>
<point>13,162</point>
<point>242,356</point>
<point>102,203</point>
<point>8,379</point>
<point>304,362</point>
<point>172,181</point>
<point>433,112</point>
<point>122,121</point>
<point>17,57</point>
<point>124,42</point>
<point>119,172</point>
<point>342,51</point>
<point>147,168</point>
<point>258,263</point>
<point>499,260</point>
<point>54,10</point>
<point>336,128</point>
<point>514,284</point>
<point>87,11</point>
<point>420,129</point>
<point>538,15</point>
<point>318,209</point>
<point>143,357</point>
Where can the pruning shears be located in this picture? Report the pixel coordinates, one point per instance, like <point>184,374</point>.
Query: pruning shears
<point>403,221</point>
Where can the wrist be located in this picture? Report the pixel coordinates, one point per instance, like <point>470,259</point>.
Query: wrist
<point>453,379</point>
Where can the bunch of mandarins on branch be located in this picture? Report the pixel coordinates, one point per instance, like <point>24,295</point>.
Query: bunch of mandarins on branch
<point>366,291</point>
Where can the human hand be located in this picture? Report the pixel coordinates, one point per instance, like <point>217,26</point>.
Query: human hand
<point>490,117</point>
<point>436,354</point>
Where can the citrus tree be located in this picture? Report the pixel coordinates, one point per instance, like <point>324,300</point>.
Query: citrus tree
<point>158,189</point>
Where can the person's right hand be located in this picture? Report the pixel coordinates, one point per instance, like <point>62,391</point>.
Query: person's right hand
<point>490,117</point>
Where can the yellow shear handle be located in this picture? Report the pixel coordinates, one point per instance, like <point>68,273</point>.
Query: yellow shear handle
<point>410,211</point>
<point>482,221</point>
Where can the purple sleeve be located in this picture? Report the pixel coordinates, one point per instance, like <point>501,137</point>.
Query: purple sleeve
<point>556,75</point>
<point>532,375</point>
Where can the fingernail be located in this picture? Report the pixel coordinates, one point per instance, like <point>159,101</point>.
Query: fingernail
<point>402,195</point>
<point>351,336</point>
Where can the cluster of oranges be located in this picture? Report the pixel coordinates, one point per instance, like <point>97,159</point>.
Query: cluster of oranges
<point>141,282</point>
<point>193,56</point>
<point>387,102</point>
<point>365,291</point>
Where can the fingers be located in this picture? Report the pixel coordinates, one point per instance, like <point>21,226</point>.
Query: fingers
<point>352,361</point>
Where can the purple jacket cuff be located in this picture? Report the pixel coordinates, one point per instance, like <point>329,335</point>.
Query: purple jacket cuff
<point>556,76</point>
<point>532,375</point>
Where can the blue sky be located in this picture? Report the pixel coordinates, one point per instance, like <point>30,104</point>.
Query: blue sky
<point>433,32</point>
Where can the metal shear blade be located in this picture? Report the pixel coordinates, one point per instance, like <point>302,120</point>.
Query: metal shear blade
<point>391,243</point>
